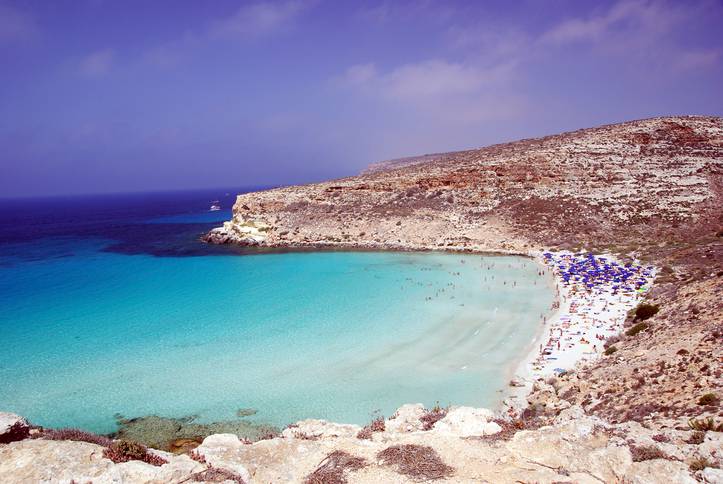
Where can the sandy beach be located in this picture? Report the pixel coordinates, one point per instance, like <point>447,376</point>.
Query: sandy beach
<point>581,319</point>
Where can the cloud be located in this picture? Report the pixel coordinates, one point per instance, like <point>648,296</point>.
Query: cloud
<point>458,91</point>
<point>247,22</point>
<point>259,18</point>
<point>643,17</point>
<point>98,63</point>
<point>15,24</point>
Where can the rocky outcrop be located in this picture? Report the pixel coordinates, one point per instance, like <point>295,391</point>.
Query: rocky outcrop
<point>640,182</point>
<point>241,231</point>
<point>574,447</point>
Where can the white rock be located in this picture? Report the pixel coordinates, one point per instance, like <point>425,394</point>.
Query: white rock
<point>712,447</point>
<point>313,428</point>
<point>406,418</point>
<point>712,476</point>
<point>467,422</point>
<point>221,441</point>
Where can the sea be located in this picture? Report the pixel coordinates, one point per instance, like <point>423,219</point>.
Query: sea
<point>111,305</point>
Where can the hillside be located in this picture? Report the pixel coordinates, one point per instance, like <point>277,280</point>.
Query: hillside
<point>644,183</point>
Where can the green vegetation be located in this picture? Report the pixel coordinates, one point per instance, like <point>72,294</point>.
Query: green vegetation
<point>709,399</point>
<point>610,350</point>
<point>705,424</point>
<point>701,463</point>
<point>646,311</point>
<point>637,329</point>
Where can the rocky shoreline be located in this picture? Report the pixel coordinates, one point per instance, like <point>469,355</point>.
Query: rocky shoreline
<point>649,411</point>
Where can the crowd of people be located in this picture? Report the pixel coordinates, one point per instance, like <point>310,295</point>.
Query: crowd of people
<point>595,294</point>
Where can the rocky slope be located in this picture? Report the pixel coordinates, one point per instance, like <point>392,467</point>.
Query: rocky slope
<point>638,184</point>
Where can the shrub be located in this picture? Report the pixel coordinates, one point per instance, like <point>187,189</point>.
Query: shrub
<point>661,438</point>
<point>646,311</point>
<point>637,329</point>
<point>377,425</point>
<point>17,431</point>
<point>432,416</point>
<point>705,424</point>
<point>418,462</point>
<point>647,452</point>
<point>75,435</point>
<point>611,341</point>
<point>197,456</point>
<point>696,438</point>
<point>701,463</point>
<point>214,474</point>
<point>610,350</point>
<point>125,450</point>
<point>331,470</point>
<point>709,399</point>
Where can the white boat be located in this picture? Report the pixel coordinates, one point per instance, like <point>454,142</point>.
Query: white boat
<point>215,207</point>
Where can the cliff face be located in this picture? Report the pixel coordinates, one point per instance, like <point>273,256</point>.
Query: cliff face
<point>642,182</point>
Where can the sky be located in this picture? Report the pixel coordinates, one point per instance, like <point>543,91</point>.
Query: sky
<point>110,96</point>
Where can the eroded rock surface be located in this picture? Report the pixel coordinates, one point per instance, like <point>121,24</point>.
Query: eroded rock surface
<point>574,447</point>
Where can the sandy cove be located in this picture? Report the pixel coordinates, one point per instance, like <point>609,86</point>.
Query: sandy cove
<point>649,189</point>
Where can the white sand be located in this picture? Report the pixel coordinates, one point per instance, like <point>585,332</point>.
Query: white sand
<point>570,334</point>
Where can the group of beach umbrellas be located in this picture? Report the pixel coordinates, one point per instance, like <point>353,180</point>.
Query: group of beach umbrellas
<point>591,271</point>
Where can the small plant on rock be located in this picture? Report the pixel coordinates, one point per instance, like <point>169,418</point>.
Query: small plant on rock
<point>610,350</point>
<point>646,311</point>
<point>705,425</point>
<point>637,329</point>
<point>126,450</point>
<point>432,416</point>
<point>417,462</point>
<point>647,452</point>
<point>75,435</point>
<point>377,425</point>
<point>332,469</point>
<point>709,399</point>
<point>696,438</point>
<point>701,463</point>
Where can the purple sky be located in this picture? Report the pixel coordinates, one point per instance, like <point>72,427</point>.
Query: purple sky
<point>105,96</point>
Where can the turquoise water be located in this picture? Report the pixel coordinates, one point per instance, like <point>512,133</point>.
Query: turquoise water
<point>87,333</point>
<point>334,335</point>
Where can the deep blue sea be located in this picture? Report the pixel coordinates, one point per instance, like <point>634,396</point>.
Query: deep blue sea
<point>111,305</point>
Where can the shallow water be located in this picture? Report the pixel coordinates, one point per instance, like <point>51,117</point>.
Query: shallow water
<point>89,330</point>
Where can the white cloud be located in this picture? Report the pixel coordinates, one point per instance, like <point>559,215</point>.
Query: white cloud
<point>449,92</point>
<point>426,80</point>
<point>98,63</point>
<point>642,16</point>
<point>259,18</point>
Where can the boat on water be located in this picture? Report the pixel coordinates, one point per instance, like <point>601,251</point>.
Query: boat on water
<point>215,207</point>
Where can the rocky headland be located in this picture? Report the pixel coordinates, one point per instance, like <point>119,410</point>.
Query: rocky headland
<point>647,410</point>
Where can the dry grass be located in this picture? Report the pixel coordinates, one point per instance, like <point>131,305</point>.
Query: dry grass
<point>17,431</point>
<point>432,416</point>
<point>376,425</point>
<point>126,450</point>
<point>333,468</point>
<point>418,462</point>
<point>75,435</point>
<point>647,452</point>
<point>214,474</point>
